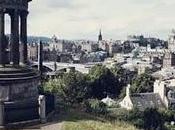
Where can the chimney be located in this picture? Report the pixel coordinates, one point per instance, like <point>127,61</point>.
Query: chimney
<point>128,90</point>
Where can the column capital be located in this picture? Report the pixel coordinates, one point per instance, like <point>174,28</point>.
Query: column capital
<point>14,12</point>
<point>17,12</point>
<point>2,10</point>
<point>24,13</point>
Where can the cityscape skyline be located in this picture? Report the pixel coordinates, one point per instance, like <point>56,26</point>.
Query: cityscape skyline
<point>76,64</point>
<point>79,19</point>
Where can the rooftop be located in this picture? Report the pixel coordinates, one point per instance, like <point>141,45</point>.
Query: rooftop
<point>147,100</point>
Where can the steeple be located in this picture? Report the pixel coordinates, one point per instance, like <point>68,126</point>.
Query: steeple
<point>100,38</point>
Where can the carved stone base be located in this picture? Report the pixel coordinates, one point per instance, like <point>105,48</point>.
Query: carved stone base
<point>18,83</point>
<point>19,91</point>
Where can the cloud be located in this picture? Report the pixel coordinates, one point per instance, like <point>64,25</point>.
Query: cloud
<point>74,19</point>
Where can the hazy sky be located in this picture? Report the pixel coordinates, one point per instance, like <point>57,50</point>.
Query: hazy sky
<point>82,19</point>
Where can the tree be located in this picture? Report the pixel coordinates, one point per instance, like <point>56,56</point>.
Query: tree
<point>124,76</point>
<point>103,82</point>
<point>72,87</point>
<point>142,83</point>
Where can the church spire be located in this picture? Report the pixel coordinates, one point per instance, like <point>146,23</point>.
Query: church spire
<point>100,38</point>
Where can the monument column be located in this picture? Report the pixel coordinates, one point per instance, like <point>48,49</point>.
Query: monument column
<point>23,36</point>
<point>2,49</point>
<point>15,37</point>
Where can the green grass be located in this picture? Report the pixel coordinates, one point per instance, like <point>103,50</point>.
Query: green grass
<point>76,120</point>
<point>96,125</point>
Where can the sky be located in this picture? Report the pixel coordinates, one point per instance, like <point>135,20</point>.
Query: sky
<point>82,19</point>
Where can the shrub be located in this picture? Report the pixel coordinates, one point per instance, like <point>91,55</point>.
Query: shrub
<point>168,115</point>
<point>95,106</point>
<point>153,119</point>
<point>71,87</point>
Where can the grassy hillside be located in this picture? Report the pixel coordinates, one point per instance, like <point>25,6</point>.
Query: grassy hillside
<point>76,120</point>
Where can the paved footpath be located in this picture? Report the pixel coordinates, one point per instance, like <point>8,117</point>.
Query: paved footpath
<point>56,126</point>
<point>53,124</point>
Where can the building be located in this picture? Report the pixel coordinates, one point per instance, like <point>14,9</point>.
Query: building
<point>166,90</point>
<point>169,55</point>
<point>60,45</point>
<point>32,51</point>
<point>171,41</point>
<point>163,96</point>
<point>165,73</point>
<point>104,45</point>
<point>169,59</point>
<point>115,47</point>
<point>87,46</point>
<point>141,100</point>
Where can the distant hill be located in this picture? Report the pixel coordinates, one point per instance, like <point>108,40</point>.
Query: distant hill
<point>35,39</point>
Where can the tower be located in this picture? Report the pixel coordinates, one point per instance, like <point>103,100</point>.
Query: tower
<point>100,38</point>
<point>169,59</point>
<point>171,41</point>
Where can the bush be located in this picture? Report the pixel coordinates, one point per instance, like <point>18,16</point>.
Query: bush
<point>153,119</point>
<point>150,119</point>
<point>71,87</point>
<point>95,106</point>
<point>168,115</point>
<point>136,117</point>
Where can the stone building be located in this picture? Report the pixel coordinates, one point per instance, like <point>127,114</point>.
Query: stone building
<point>141,100</point>
<point>171,41</point>
<point>163,96</point>
<point>166,90</point>
<point>33,51</point>
<point>169,54</point>
<point>60,45</point>
<point>114,47</point>
<point>104,45</point>
<point>87,46</point>
<point>169,59</point>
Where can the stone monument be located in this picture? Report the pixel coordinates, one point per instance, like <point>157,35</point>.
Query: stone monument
<point>18,82</point>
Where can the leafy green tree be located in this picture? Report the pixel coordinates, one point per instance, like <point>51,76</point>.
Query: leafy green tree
<point>119,72</point>
<point>103,82</point>
<point>72,87</point>
<point>142,83</point>
<point>124,76</point>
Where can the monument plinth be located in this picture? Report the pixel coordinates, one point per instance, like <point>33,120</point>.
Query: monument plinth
<point>18,82</point>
